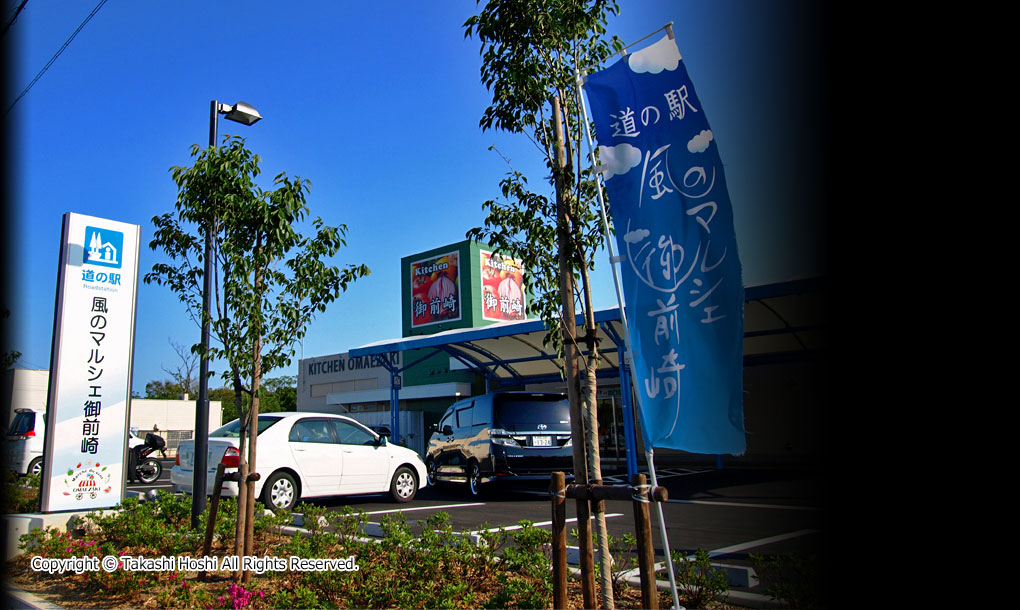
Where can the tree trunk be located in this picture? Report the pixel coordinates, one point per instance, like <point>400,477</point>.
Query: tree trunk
<point>242,470</point>
<point>569,330</point>
<point>249,506</point>
<point>589,387</point>
<point>256,380</point>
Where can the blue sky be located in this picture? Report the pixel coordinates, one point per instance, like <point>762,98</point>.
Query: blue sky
<point>377,104</point>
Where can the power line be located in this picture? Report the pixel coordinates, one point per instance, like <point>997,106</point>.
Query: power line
<point>14,18</point>
<point>54,58</point>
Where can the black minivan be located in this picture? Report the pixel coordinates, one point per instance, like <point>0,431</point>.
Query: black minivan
<point>501,436</point>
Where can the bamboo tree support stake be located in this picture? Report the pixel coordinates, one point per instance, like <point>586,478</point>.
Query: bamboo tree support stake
<point>558,493</point>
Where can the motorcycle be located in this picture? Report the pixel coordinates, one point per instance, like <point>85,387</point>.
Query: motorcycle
<point>142,467</point>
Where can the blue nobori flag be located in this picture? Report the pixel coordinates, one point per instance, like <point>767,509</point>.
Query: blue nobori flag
<point>680,270</point>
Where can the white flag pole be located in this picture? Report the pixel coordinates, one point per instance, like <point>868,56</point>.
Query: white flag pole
<point>613,260</point>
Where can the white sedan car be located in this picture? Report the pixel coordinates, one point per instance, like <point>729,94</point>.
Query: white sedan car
<point>305,455</point>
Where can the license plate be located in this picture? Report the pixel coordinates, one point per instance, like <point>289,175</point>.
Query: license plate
<point>541,441</point>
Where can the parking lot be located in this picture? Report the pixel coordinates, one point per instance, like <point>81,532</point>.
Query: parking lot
<point>731,513</point>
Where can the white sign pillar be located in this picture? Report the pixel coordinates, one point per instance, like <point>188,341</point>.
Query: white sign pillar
<point>90,365</point>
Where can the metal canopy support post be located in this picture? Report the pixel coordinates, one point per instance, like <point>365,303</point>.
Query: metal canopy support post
<point>395,385</point>
<point>629,434</point>
<point>395,406</point>
<point>630,438</point>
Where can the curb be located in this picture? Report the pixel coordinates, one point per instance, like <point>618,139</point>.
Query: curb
<point>26,599</point>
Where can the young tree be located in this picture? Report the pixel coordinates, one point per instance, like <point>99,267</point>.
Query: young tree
<point>270,280</point>
<point>532,53</point>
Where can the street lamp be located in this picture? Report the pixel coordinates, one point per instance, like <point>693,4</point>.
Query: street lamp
<point>244,114</point>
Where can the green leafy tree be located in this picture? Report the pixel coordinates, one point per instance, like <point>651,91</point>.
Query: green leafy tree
<point>532,54</point>
<point>226,397</point>
<point>163,390</point>
<point>279,394</point>
<point>270,280</point>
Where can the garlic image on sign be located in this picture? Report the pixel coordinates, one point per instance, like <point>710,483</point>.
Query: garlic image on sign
<point>442,288</point>
<point>509,289</point>
<point>442,298</point>
<point>510,293</point>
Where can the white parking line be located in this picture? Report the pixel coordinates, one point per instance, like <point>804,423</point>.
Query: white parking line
<point>407,510</point>
<point>540,524</point>
<point>729,549</point>
<point>742,504</point>
<point>756,543</point>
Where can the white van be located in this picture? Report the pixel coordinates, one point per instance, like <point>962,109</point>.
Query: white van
<point>25,441</point>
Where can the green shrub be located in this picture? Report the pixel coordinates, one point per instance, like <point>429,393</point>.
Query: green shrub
<point>20,494</point>
<point>698,583</point>
<point>791,578</point>
<point>163,525</point>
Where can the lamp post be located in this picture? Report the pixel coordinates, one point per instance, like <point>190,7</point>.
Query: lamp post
<point>242,113</point>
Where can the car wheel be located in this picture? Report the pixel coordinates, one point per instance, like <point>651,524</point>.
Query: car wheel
<point>475,479</point>
<point>35,467</point>
<point>432,469</point>
<point>404,485</point>
<point>149,471</point>
<point>280,491</point>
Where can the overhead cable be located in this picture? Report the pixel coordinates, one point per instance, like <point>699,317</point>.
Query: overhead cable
<point>14,17</point>
<point>54,58</point>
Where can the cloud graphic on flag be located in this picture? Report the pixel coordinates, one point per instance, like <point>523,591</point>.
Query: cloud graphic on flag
<point>660,56</point>
<point>618,160</point>
<point>699,143</point>
<point>633,237</point>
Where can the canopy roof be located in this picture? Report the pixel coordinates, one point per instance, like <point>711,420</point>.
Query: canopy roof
<point>782,321</point>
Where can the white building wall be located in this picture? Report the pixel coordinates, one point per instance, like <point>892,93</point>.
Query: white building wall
<point>171,414</point>
<point>338,373</point>
<point>27,390</point>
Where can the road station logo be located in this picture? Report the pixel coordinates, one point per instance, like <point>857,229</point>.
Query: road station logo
<point>103,247</point>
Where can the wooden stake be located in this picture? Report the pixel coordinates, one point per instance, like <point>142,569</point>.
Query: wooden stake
<point>214,506</point>
<point>557,491</point>
<point>646,552</point>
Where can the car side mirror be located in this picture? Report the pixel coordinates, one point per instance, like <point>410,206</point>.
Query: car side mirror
<point>448,430</point>
<point>380,441</point>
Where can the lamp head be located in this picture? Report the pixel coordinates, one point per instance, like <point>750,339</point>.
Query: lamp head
<point>243,113</point>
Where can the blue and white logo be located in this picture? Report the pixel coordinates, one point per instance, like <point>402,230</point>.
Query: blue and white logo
<point>103,247</point>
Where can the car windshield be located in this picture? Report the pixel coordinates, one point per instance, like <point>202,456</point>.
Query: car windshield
<point>23,422</point>
<point>232,430</point>
<point>513,412</point>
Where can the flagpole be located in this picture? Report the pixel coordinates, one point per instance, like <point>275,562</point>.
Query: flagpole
<point>649,452</point>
